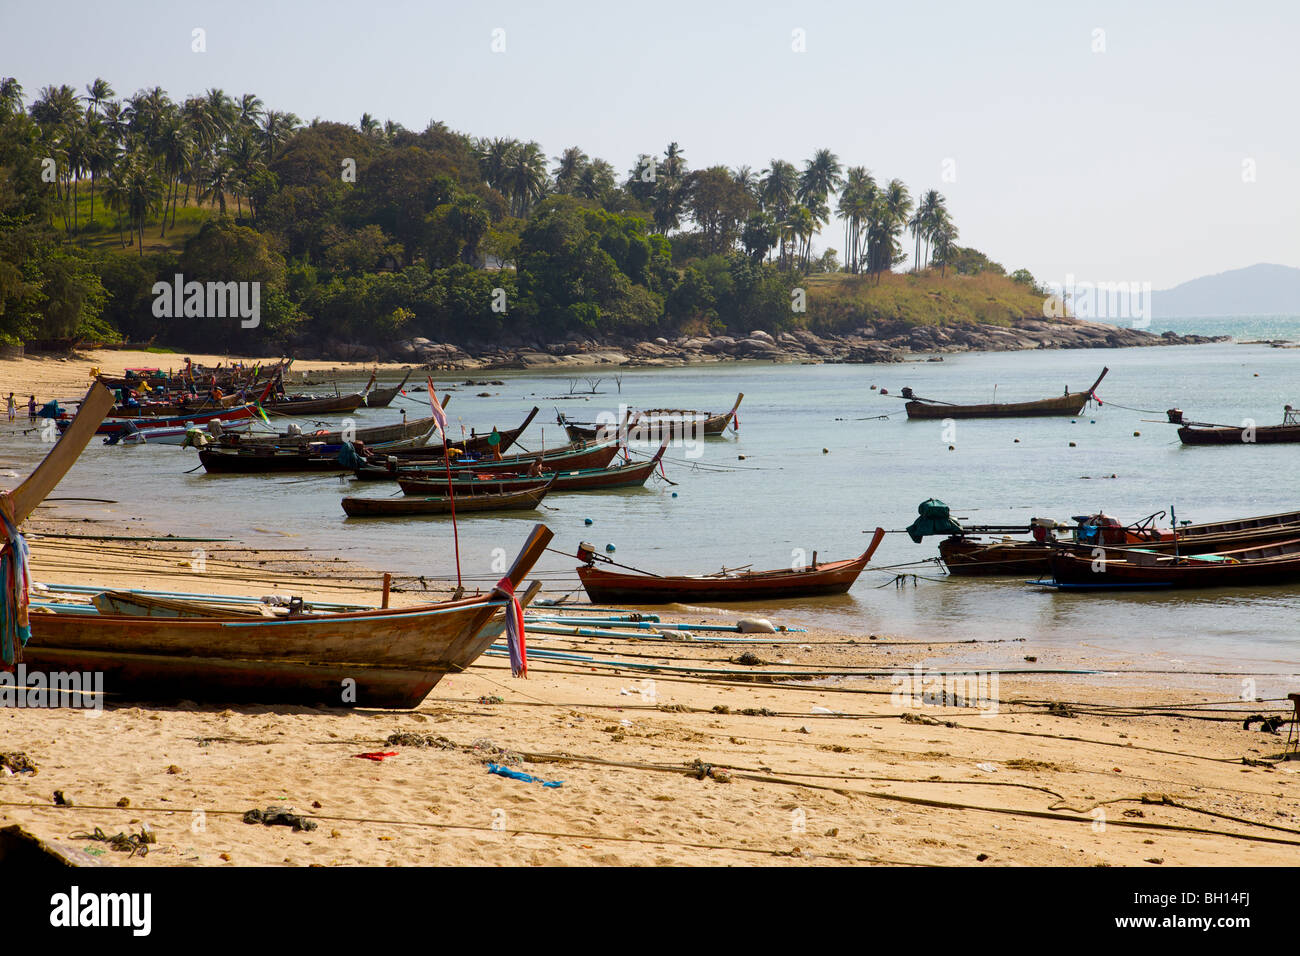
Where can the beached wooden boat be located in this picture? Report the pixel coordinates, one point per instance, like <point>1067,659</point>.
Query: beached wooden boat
<point>640,587</point>
<point>1203,433</point>
<point>473,499</point>
<point>973,555</point>
<point>380,397</point>
<point>1081,568</point>
<point>631,474</point>
<point>1071,403</point>
<point>381,658</point>
<point>579,455</point>
<point>655,424</point>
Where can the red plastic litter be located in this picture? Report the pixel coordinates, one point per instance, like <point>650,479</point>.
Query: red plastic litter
<point>376,755</point>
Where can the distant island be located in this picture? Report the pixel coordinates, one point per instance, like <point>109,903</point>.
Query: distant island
<point>218,224</point>
<point>1262,289</point>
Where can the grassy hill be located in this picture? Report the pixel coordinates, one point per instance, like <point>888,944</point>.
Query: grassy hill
<point>838,301</point>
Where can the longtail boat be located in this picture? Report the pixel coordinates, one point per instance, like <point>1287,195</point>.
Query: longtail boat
<point>654,424</point>
<point>1071,403</point>
<point>378,658</point>
<point>257,459</point>
<point>632,474</point>
<point>328,405</point>
<point>578,455</point>
<point>1203,433</point>
<point>380,397</point>
<point>111,426</point>
<point>1077,568</point>
<point>641,587</point>
<point>371,434</point>
<point>972,553</point>
<point>520,498</point>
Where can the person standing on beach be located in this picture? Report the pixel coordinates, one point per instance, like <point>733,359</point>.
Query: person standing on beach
<point>13,408</point>
<point>31,409</point>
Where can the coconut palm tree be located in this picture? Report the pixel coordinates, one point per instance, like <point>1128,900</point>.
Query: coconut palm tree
<point>277,127</point>
<point>569,167</point>
<point>525,176</point>
<point>97,93</point>
<point>176,153</point>
<point>777,190</point>
<point>249,111</point>
<point>220,181</point>
<point>854,207</point>
<point>11,96</point>
<point>933,214</point>
<point>369,126</point>
<point>493,159</point>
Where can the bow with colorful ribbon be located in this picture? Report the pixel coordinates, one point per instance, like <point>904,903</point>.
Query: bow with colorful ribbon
<point>514,630</point>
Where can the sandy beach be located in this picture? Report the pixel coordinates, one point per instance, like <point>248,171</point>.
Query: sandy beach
<point>669,752</point>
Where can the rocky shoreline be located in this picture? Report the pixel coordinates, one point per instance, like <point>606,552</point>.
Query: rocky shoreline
<point>876,342</point>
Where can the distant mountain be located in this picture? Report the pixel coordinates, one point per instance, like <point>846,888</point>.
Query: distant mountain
<point>1263,289</point>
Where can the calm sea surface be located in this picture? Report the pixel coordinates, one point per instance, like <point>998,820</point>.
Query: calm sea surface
<point>821,466</point>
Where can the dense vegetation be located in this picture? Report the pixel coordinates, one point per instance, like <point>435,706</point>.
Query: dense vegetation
<point>375,233</point>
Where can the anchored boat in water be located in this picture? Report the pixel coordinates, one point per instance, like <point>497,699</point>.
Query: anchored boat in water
<point>1071,403</point>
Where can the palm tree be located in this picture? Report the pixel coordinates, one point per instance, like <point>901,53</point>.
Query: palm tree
<point>525,176</point>
<point>493,158</point>
<point>368,125</point>
<point>176,152</point>
<point>96,93</point>
<point>249,109</point>
<point>674,165</point>
<point>777,190</point>
<point>596,181</point>
<point>11,96</point>
<point>944,237</point>
<point>277,127</point>
<point>569,168</point>
<point>854,207</point>
<point>889,216</point>
<point>220,180</point>
<point>139,190</point>
<point>933,214</point>
<point>243,155</point>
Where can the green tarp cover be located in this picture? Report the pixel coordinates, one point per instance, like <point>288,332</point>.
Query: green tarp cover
<point>934,519</point>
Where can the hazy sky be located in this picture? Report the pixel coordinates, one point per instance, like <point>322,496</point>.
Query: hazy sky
<point>1111,141</point>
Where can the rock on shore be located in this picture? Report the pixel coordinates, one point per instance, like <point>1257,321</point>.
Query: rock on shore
<point>875,342</point>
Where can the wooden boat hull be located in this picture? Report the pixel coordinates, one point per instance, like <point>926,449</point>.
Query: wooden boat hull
<point>381,397</point>
<point>632,475</point>
<point>969,556</point>
<point>111,426</point>
<point>1071,404</point>
<point>373,658</point>
<point>317,406</point>
<point>476,444</point>
<point>253,462</point>
<point>657,424</point>
<point>616,587</point>
<point>566,458</point>
<point>1260,435</point>
<point>1120,568</point>
<point>470,501</point>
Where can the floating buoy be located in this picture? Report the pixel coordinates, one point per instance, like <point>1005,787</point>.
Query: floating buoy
<point>873,388</point>
<point>952,447</point>
<point>586,521</point>
<point>1016,440</point>
<point>1074,421</point>
<point>1092,421</point>
<point>1137,434</point>
<point>826,451</point>
<point>1072,445</point>
<point>674,494</point>
<point>609,548</point>
<point>740,458</point>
